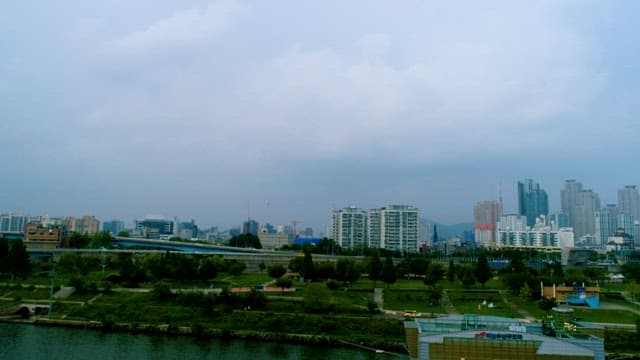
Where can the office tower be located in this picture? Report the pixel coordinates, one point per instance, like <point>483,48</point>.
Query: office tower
<point>155,227</point>
<point>394,228</point>
<point>188,229</point>
<point>587,202</point>
<point>559,220</point>
<point>625,222</point>
<point>349,227</point>
<point>424,235</point>
<point>114,227</point>
<point>486,214</point>
<point>532,201</point>
<point>250,227</point>
<point>629,201</point>
<point>568,197</point>
<point>606,222</point>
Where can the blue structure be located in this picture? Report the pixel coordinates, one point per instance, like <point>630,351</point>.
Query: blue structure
<point>580,296</point>
<point>306,240</point>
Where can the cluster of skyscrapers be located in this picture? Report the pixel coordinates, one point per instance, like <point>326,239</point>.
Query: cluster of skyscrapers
<point>394,228</point>
<point>581,221</point>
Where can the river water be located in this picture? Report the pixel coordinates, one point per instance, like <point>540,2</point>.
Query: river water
<point>38,342</point>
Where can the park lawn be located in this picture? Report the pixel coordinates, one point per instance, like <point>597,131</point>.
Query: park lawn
<point>469,301</point>
<point>492,284</point>
<point>417,300</point>
<point>81,296</point>
<point>407,284</point>
<point>27,293</point>
<point>351,297</point>
<point>244,279</point>
<point>604,315</point>
<point>117,297</point>
<point>529,306</point>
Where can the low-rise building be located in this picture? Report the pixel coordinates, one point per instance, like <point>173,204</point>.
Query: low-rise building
<point>39,236</point>
<point>490,337</point>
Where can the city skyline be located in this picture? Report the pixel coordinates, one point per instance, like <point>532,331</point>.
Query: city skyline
<point>213,110</point>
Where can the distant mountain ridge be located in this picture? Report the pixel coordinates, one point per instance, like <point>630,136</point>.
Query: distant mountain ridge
<point>447,231</point>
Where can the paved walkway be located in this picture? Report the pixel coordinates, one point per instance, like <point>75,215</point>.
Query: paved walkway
<point>447,305</point>
<point>378,297</point>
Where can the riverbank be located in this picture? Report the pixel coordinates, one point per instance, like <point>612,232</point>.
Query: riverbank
<point>207,332</point>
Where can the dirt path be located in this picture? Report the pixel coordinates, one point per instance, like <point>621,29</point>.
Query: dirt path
<point>447,305</point>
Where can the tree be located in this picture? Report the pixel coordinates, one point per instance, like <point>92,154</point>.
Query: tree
<point>283,282</point>
<point>388,272</point>
<point>245,240</point>
<point>547,304</point>
<point>308,270</point>
<point>419,266</point>
<point>4,255</point>
<point>79,241</point>
<point>276,271</point>
<point>19,264</point>
<point>451,271</point>
<point>347,271</point>
<point>123,234</point>
<point>525,292</point>
<point>434,274</point>
<point>295,264</point>
<point>465,274</point>
<point>101,240</point>
<point>235,267</point>
<point>208,268</point>
<point>483,271</point>
<point>325,270</point>
<point>317,298</point>
<point>374,268</point>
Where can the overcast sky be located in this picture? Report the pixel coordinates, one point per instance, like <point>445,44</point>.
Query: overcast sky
<point>203,109</point>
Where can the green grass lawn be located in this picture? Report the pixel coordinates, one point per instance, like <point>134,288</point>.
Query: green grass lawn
<point>604,315</point>
<point>26,293</point>
<point>417,300</point>
<point>469,301</point>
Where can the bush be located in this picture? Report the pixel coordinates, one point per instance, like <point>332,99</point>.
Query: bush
<point>332,284</point>
<point>372,307</point>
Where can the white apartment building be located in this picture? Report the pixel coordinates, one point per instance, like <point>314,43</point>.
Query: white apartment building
<point>349,227</point>
<point>394,228</point>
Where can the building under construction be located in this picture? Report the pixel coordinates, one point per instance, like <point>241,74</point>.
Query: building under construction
<point>476,337</point>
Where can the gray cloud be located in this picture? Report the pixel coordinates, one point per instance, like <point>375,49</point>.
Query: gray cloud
<point>218,103</point>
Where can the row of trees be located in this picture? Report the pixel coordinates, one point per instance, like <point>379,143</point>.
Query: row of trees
<point>14,259</point>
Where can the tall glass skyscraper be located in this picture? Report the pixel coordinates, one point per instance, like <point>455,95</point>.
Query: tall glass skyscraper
<point>532,201</point>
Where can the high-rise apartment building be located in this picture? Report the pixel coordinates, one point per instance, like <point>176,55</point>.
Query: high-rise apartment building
<point>485,216</point>
<point>587,203</point>
<point>605,223</point>
<point>629,201</point>
<point>349,226</point>
<point>532,201</point>
<point>84,225</point>
<point>13,222</point>
<point>581,206</point>
<point>394,228</point>
<point>568,197</point>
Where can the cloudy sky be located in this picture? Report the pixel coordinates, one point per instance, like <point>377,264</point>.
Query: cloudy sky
<point>202,109</point>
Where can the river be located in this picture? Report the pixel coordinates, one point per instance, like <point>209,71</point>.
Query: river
<point>19,341</point>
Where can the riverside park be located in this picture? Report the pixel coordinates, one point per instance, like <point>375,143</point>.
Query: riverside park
<point>360,301</point>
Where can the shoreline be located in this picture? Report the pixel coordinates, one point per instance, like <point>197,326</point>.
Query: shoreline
<point>205,332</point>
